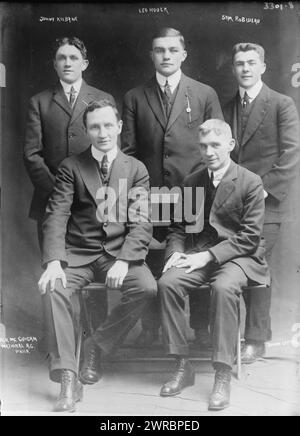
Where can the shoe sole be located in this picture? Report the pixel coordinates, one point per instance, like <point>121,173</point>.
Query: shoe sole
<point>216,409</point>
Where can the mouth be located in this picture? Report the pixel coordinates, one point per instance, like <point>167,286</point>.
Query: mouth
<point>166,65</point>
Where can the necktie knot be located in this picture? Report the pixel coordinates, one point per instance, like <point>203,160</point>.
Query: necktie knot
<point>72,96</point>
<point>104,166</point>
<point>246,100</point>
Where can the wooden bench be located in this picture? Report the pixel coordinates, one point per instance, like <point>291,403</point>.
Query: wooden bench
<point>101,287</point>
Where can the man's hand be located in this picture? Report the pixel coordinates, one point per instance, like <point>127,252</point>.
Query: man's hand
<point>53,272</point>
<point>195,261</point>
<point>116,274</point>
<point>172,261</point>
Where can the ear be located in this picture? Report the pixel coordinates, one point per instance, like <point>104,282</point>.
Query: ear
<point>184,55</point>
<point>264,66</point>
<point>54,64</point>
<point>120,125</point>
<point>85,64</point>
<point>231,144</point>
<point>151,55</point>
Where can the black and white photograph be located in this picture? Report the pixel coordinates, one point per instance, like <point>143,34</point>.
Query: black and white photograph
<point>150,213</point>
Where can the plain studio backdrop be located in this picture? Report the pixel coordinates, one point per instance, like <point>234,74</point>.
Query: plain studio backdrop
<point>118,37</point>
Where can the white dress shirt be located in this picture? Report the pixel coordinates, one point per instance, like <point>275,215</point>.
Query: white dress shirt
<point>111,155</point>
<point>173,80</point>
<point>218,175</point>
<point>67,88</point>
<point>252,92</point>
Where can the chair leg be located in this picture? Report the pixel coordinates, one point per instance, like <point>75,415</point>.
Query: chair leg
<point>238,359</point>
<point>78,348</point>
<point>238,346</point>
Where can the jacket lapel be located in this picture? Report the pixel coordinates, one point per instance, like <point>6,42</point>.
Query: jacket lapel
<point>89,173</point>
<point>83,99</point>
<point>257,114</point>
<point>153,98</point>
<point>60,98</point>
<point>179,105</point>
<point>234,126</point>
<point>226,186</point>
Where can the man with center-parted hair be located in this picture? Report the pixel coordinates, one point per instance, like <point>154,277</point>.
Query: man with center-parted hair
<point>161,119</point>
<point>55,130</point>
<point>82,243</point>
<point>228,252</point>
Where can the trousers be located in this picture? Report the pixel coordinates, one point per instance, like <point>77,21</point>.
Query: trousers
<point>62,311</point>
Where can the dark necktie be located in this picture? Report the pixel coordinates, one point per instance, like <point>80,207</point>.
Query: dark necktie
<point>104,166</point>
<point>72,96</point>
<point>212,177</point>
<point>246,100</point>
<point>168,95</point>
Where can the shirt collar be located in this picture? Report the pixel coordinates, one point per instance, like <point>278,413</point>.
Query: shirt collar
<point>252,92</point>
<point>219,174</point>
<point>173,80</point>
<point>67,86</point>
<point>111,154</point>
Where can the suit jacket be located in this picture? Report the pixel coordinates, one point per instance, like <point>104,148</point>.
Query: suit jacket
<point>53,132</point>
<point>72,228</point>
<point>169,149</point>
<point>270,146</point>
<point>237,215</point>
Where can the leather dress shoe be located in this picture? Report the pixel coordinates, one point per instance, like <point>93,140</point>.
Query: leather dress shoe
<point>183,376</point>
<point>252,351</point>
<point>202,339</point>
<point>71,391</point>
<point>146,338</point>
<point>220,395</point>
<point>91,371</point>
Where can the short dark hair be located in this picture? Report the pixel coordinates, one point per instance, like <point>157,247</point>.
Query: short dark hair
<point>247,46</point>
<point>99,104</point>
<point>169,31</point>
<point>73,40</point>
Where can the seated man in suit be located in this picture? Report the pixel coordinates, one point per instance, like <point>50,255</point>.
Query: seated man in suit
<point>265,125</point>
<point>228,252</point>
<point>91,231</point>
<point>55,130</point>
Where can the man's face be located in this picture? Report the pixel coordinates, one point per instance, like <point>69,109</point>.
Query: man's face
<point>103,128</point>
<point>248,68</point>
<point>215,149</point>
<point>69,63</point>
<point>167,55</point>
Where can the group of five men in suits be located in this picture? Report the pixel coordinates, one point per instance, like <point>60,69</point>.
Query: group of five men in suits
<point>161,129</point>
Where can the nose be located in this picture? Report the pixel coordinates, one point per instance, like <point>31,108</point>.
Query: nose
<point>166,55</point>
<point>209,151</point>
<point>102,132</point>
<point>245,67</point>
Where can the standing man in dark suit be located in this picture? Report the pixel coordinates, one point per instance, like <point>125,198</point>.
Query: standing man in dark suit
<point>91,230</point>
<point>228,252</point>
<point>161,120</point>
<point>54,127</point>
<point>265,125</point>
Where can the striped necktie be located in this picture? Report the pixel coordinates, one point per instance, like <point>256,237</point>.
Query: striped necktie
<point>72,96</point>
